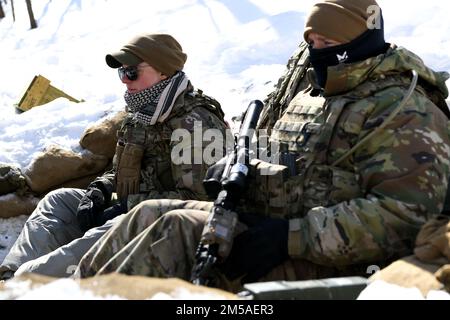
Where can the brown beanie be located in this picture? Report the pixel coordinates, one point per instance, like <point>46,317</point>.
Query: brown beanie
<point>161,51</point>
<point>339,20</point>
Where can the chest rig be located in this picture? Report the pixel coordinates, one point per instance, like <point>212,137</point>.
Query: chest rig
<point>156,171</point>
<point>311,170</point>
<point>303,179</point>
<point>155,162</point>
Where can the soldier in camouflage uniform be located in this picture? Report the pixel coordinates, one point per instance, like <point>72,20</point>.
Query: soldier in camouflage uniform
<point>371,147</point>
<point>160,99</point>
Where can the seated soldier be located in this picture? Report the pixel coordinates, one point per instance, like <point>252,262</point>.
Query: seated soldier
<point>159,99</point>
<point>370,143</point>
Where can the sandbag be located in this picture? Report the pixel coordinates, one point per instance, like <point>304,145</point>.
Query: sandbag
<point>433,241</point>
<point>80,183</point>
<point>56,166</point>
<point>101,138</point>
<point>13,205</point>
<point>443,275</point>
<point>410,272</point>
<point>117,285</point>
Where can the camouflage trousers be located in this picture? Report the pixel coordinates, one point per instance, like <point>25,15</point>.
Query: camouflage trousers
<point>159,238</point>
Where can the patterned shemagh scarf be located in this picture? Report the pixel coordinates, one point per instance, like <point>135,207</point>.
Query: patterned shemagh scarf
<point>154,104</point>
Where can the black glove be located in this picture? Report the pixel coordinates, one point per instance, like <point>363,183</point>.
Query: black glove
<point>112,212</point>
<point>105,186</point>
<point>92,204</point>
<point>258,250</point>
<point>211,183</point>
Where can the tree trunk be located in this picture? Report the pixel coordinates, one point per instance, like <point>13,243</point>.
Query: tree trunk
<point>33,23</point>
<point>2,13</point>
<point>12,9</point>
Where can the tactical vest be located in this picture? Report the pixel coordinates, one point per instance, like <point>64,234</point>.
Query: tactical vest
<point>156,173</point>
<point>307,177</point>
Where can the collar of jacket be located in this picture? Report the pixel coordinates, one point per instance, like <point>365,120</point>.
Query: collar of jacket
<point>346,77</point>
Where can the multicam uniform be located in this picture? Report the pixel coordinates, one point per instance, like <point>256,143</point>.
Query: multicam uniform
<point>160,178</point>
<point>344,212</point>
<point>52,243</point>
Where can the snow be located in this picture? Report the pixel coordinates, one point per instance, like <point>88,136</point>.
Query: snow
<point>9,231</point>
<point>61,289</point>
<point>184,294</point>
<point>237,49</point>
<point>69,289</point>
<point>381,290</point>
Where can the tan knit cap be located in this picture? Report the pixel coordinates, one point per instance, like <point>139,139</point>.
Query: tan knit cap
<point>161,51</point>
<point>339,20</point>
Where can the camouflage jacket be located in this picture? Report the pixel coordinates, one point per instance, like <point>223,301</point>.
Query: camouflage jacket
<point>160,177</point>
<point>369,206</point>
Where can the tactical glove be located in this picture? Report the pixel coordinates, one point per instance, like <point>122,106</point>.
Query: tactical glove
<point>211,182</point>
<point>129,170</point>
<point>97,197</point>
<point>112,212</point>
<point>259,249</point>
<point>91,205</point>
<point>105,186</point>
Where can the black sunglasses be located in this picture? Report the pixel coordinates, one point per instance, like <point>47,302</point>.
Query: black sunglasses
<point>131,72</point>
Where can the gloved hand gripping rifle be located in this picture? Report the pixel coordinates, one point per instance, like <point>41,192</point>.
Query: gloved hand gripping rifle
<point>217,236</point>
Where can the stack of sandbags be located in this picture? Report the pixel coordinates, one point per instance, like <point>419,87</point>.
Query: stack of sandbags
<point>101,139</point>
<point>55,167</point>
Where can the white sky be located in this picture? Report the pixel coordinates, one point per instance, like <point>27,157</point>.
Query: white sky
<point>237,49</point>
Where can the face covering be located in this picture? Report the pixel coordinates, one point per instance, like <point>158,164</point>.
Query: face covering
<point>369,44</point>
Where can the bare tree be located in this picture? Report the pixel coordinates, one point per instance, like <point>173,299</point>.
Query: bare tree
<point>2,13</point>
<point>33,23</point>
<point>12,9</point>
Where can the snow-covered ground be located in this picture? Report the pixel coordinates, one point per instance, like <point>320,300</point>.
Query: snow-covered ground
<point>9,231</point>
<point>380,290</point>
<point>69,289</point>
<point>237,49</point>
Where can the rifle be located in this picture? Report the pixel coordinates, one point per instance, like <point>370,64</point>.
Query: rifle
<point>217,236</point>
